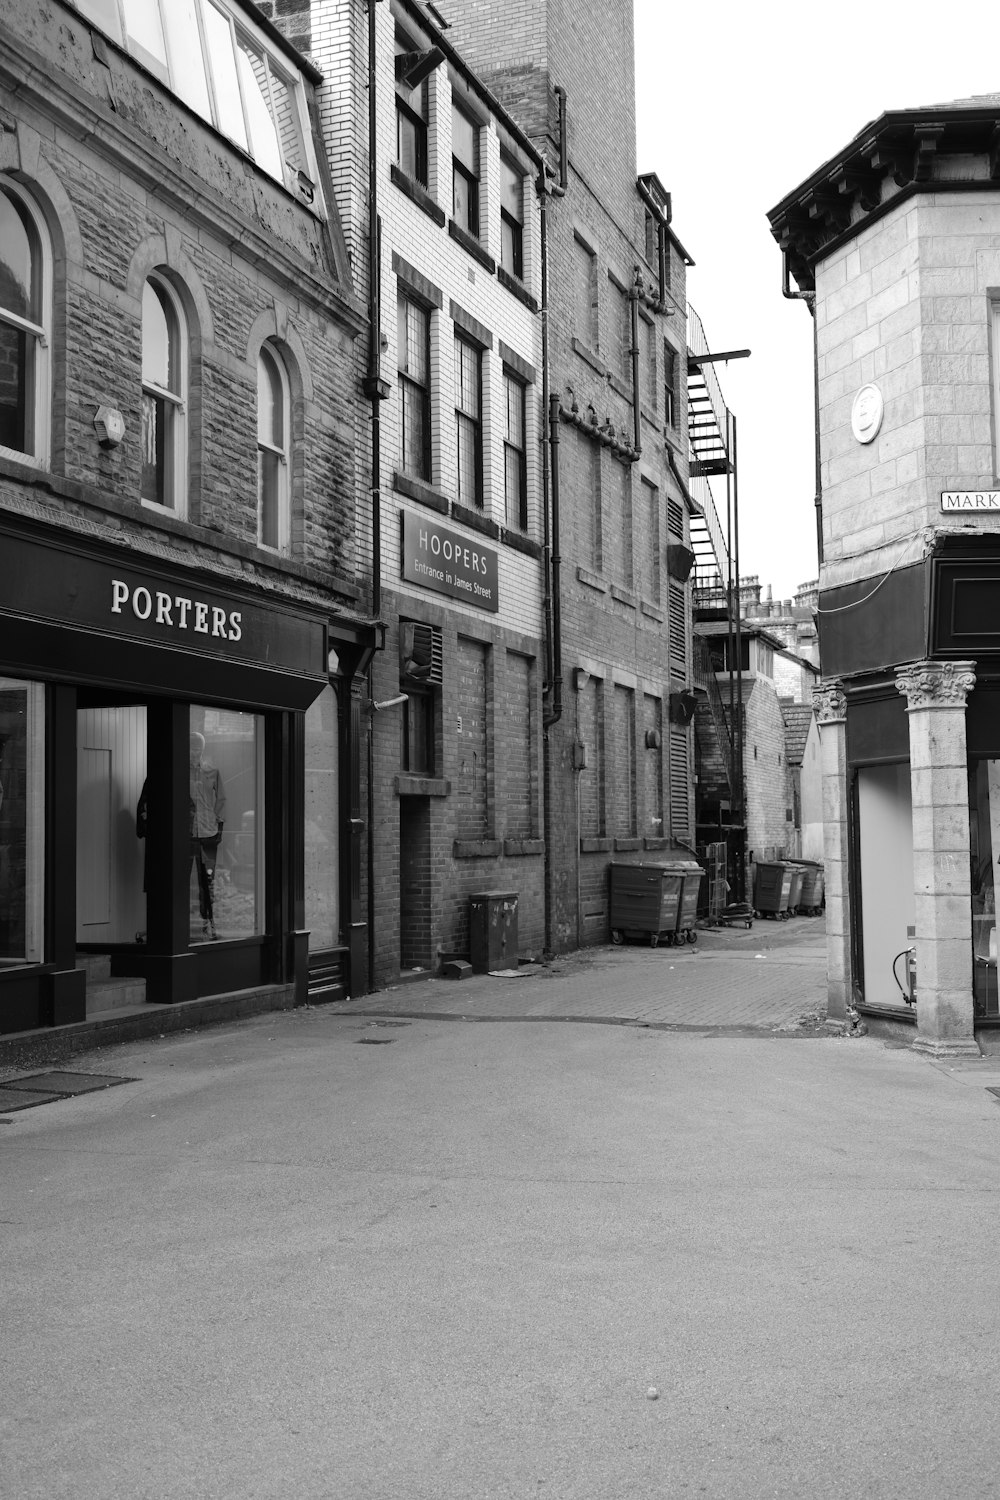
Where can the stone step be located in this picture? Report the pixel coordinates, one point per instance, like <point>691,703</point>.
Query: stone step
<point>96,965</point>
<point>115,994</point>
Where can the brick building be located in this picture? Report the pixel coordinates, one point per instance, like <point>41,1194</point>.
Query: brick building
<point>893,245</point>
<point>617,715</point>
<point>184,599</point>
<point>452,447</point>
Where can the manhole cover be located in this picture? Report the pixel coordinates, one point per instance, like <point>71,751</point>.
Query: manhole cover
<point>46,1088</point>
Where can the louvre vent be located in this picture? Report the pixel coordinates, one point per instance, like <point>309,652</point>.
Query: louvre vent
<point>421,655</point>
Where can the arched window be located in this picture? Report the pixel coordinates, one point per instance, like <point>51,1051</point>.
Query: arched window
<point>164,379</point>
<point>273,416</point>
<point>25,319</point>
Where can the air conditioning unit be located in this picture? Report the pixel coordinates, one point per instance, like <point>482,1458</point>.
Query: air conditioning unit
<point>421,655</point>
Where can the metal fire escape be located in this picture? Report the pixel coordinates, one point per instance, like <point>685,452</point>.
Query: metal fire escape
<point>712,454</point>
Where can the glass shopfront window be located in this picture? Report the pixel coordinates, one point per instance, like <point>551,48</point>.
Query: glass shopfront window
<point>226,764</point>
<point>22,821</point>
<point>984,845</point>
<point>322,823</point>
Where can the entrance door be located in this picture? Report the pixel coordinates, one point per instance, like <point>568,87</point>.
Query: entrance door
<point>414,883</point>
<point>111,768</point>
<point>885,842</point>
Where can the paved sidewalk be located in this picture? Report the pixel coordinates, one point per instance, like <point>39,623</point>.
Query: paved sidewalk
<point>772,978</point>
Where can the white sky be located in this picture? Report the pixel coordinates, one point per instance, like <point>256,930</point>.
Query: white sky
<point>738,102</point>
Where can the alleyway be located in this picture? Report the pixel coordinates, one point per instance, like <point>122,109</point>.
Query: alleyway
<point>347,1256</point>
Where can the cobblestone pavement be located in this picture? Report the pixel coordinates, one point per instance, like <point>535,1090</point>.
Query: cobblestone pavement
<point>771,979</point>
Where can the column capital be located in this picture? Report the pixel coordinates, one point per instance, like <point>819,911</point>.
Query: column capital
<point>830,702</point>
<point>936,684</point>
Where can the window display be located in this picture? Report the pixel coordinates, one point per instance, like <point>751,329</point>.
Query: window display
<point>984,844</point>
<point>227,824</point>
<point>22,821</point>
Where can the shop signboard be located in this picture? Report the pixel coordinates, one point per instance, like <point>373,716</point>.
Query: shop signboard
<point>970,500</point>
<point>449,561</point>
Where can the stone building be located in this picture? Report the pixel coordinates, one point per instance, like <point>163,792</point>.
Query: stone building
<point>893,245</point>
<point>452,447</point>
<point>184,602</point>
<point>617,712</point>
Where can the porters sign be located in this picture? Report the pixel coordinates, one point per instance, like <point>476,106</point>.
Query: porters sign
<point>450,562</point>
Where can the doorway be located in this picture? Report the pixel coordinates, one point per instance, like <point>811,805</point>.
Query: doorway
<point>414,883</point>
<point>885,856</point>
<point>111,769</point>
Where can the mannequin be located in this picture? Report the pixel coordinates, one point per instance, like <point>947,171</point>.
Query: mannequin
<point>208,806</point>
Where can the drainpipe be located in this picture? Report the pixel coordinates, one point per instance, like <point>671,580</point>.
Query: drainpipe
<point>560,94</point>
<point>809,298</point>
<point>555,709</point>
<point>376,389</point>
<point>633,298</point>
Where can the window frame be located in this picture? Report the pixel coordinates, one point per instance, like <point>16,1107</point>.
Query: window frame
<point>511,380</point>
<point>511,227</point>
<point>671,366</point>
<point>269,352</point>
<point>465,418</point>
<point>409,384</point>
<point>414,116</point>
<point>38,399</point>
<point>175,402</point>
<point>469,172</point>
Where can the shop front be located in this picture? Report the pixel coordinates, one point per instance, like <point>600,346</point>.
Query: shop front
<point>174,758</point>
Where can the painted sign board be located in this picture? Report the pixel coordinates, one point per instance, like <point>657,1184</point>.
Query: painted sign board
<point>970,500</point>
<point>449,561</point>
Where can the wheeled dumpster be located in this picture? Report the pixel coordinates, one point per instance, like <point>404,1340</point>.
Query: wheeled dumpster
<point>772,887</point>
<point>811,900</point>
<point>688,914</point>
<point>795,889</point>
<point>645,901</point>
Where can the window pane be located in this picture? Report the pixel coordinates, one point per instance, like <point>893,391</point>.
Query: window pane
<point>514,496</point>
<point>256,97</point>
<point>514,392</point>
<point>463,141</point>
<point>219,37</point>
<point>22,821</point>
<point>270,402</point>
<point>511,192</point>
<point>20,262</point>
<point>270,497</point>
<point>322,822</point>
<point>159,351</point>
<point>17,358</point>
<point>227,824</point>
<point>157,424</point>
<point>187,65</point>
<point>142,22</point>
<point>414,457</point>
<point>103,13</point>
<point>286,118</point>
<point>413,331</point>
<point>468,432</point>
<point>467,377</point>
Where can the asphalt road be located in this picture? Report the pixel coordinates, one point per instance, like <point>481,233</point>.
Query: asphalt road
<point>454,1264</point>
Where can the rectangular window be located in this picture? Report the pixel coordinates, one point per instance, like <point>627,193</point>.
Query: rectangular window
<point>670,411</point>
<point>227,824</point>
<point>414,363</point>
<point>590,717</point>
<point>468,422</point>
<point>519,791</point>
<point>421,666</point>
<point>984,827</point>
<point>465,172</point>
<point>593,509</point>
<point>624,768</point>
<point>627,527</point>
<point>22,822</point>
<point>650,337</point>
<point>411,119</point>
<point>515,467</point>
<point>623,317</point>
<point>474,739</point>
<point>651,559</point>
<point>224,68</point>
<point>585,292</point>
<point>652,709</point>
<point>511,219</point>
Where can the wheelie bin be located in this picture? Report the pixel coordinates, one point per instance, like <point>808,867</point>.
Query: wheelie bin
<point>771,888</point>
<point>645,900</point>
<point>687,914</point>
<point>795,889</point>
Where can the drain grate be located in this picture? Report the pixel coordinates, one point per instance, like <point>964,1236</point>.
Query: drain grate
<point>375,1041</point>
<point>46,1088</point>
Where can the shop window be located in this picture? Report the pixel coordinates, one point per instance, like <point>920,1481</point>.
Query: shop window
<point>22,821</point>
<point>414,363</point>
<point>465,172</point>
<point>164,358</point>
<point>468,422</point>
<point>225,69</point>
<point>511,219</point>
<point>411,118</point>
<point>515,452</point>
<point>227,824</point>
<point>322,821</point>
<point>984,828</point>
<point>25,326</point>
<point>273,470</point>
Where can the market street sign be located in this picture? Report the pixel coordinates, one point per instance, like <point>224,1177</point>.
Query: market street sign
<point>450,562</point>
<point>970,499</point>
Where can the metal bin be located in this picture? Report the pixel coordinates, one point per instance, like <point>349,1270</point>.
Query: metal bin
<point>688,914</point>
<point>645,900</point>
<point>795,890</point>
<point>493,931</point>
<point>771,888</point>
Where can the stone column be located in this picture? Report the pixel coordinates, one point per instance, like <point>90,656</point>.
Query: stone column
<point>830,708</point>
<point>936,693</point>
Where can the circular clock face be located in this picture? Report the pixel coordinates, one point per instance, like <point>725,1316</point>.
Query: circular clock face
<point>866,413</point>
